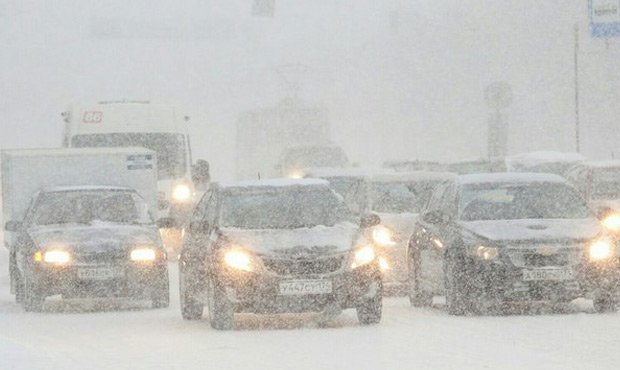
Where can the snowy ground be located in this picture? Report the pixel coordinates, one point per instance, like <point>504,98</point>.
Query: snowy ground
<point>81,336</point>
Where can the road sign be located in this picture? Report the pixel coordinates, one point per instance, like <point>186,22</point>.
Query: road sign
<point>604,18</point>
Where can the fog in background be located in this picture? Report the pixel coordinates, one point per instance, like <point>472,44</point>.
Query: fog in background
<point>401,79</point>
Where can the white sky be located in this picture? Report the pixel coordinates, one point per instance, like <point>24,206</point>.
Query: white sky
<point>408,91</point>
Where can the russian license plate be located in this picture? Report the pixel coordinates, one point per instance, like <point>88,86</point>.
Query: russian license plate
<point>304,287</point>
<point>98,273</point>
<point>548,274</point>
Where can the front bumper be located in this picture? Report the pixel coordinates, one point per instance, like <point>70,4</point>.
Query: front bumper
<point>128,280</point>
<point>260,292</point>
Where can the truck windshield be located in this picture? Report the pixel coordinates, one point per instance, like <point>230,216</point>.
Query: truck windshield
<point>283,210</point>
<point>400,197</point>
<point>85,207</point>
<point>170,148</point>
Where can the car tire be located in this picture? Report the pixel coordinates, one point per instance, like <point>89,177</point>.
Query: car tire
<point>370,310</point>
<point>161,296</point>
<point>191,309</point>
<point>221,310</point>
<point>457,297</point>
<point>33,299</point>
<point>417,298</point>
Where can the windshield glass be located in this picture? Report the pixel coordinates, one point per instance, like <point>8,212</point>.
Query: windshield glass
<point>351,190</point>
<point>170,148</point>
<point>606,184</point>
<point>87,206</point>
<point>400,197</point>
<point>521,201</point>
<point>283,209</point>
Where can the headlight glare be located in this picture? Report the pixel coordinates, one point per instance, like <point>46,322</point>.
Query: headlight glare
<point>486,253</point>
<point>383,236</point>
<point>612,222</point>
<point>600,250</point>
<point>181,193</point>
<point>239,260</point>
<point>363,256</point>
<point>143,255</point>
<point>53,256</point>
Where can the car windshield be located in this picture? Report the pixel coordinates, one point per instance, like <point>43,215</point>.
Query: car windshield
<point>352,191</point>
<point>521,201</point>
<point>170,148</point>
<point>283,209</point>
<point>400,197</point>
<point>85,207</point>
<point>606,184</point>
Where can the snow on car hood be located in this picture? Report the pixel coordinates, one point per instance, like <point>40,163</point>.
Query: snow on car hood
<point>95,236</point>
<point>552,229</point>
<point>328,239</point>
<point>402,224</point>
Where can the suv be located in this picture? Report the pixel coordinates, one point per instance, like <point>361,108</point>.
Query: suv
<point>485,240</point>
<point>277,246</point>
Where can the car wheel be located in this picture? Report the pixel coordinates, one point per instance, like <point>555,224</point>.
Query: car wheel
<point>33,299</point>
<point>457,297</point>
<point>191,309</point>
<point>221,310</point>
<point>605,302</point>
<point>370,310</point>
<point>417,298</point>
<point>161,296</point>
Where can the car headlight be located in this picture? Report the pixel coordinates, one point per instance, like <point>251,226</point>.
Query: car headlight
<point>239,260</point>
<point>53,256</point>
<point>145,254</point>
<point>181,193</point>
<point>383,236</point>
<point>612,222</point>
<point>486,253</point>
<point>600,250</point>
<point>296,174</point>
<point>363,256</point>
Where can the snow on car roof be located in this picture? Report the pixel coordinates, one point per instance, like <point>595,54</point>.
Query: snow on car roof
<point>273,183</point>
<point>85,187</point>
<point>542,157</point>
<point>412,176</point>
<point>603,164</point>
<point>508,177</point>
<point>344,172</point>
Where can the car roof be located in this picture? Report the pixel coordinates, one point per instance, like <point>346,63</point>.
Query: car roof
<point>357,172</point>
<point>508,177</point>
<point>85,188</point>
<point>603,164</point>
<point>412,176</point>
<point>272,184</point>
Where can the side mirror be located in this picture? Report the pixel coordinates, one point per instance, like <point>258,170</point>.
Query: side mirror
<point>199,227</point>
<point>13,226</point>
<point>436,217</point>
<point>369,220</point>
<point>166,223</point>
<point>200,172</point>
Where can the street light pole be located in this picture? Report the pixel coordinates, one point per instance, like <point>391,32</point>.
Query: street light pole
<point>576,77</point>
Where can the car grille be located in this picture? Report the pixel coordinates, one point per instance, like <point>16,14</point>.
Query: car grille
<point>539,260</point>
<point>323,265</point>
<point>102,256</point>
<point>532,257</point>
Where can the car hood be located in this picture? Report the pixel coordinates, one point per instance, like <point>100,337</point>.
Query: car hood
<point>539,230</point>
<point>95,236</point>
<point>312,240</point>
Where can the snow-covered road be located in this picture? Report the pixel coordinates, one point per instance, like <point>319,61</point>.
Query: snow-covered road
<point>81,336</point>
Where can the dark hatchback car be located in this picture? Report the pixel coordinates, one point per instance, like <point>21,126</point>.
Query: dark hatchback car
<point>87,242</point>
<point>490,239</point>
<point>277,246</point>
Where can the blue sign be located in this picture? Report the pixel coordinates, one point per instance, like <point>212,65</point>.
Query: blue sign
<point>604,18</point>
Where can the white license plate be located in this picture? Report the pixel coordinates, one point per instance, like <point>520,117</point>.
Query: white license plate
<point>304,287</point>
<point>99,273</point>
<point>548,274</point>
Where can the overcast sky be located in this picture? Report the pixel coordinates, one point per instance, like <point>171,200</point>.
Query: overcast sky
<point>400,78</point>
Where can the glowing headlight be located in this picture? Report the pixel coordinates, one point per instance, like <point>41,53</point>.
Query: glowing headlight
<point>239,260</point>
<point>143,255</point>
<point>612,222</point>
<point>600,250</point>
<point>383,264</point>
<point>181,193</point>
<point>54,256</point>
<point>383,236</point>
<point>296,174</point>
<point>363,256</point>
<point>486,253</point>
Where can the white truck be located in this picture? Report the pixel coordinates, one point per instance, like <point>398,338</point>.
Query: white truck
<point>158,127</point>
<point>124,183</point>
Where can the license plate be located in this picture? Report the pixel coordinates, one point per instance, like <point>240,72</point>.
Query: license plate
<point>548,274</point>
<point>304,287</point>
<point>99,273</point>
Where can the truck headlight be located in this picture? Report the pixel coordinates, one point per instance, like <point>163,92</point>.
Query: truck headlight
<point>600,250</point>
<point>239,260</point>
<point>53,256</point>
<point>383,236</point>
<point>145,254</point>
<point>612,222</point>
<point>363,256</point>
<point>486,253</point>
<point>181,193</point>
